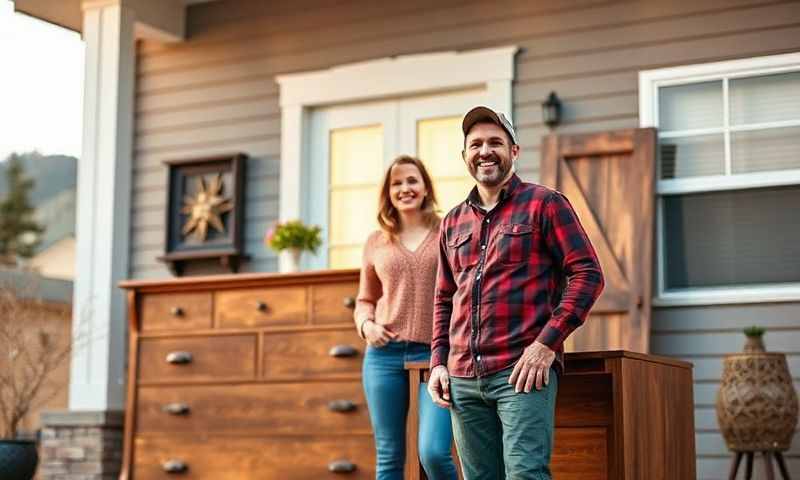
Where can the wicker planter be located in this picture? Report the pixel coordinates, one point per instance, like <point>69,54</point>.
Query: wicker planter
<point>756,403</point>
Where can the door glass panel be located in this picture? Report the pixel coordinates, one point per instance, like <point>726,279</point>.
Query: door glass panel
<point>356,165</point>
<point>439,145</point>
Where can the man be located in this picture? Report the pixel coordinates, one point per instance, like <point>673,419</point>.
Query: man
<point>517,274</point>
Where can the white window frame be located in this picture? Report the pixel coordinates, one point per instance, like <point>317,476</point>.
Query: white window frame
<point>408,75</point>
<point>649,83</point>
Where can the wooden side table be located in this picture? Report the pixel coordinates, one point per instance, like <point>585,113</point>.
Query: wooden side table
<point>619,415</point>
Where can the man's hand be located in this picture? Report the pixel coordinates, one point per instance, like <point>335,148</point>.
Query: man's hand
<point>532,367</point>
<point>439,386</point>
<point>377,335</point>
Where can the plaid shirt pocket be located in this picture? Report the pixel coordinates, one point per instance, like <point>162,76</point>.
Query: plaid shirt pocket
<point>515,243</point>
<point>462,255</point>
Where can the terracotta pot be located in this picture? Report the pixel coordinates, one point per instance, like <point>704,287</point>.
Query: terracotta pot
<point>756,403</point>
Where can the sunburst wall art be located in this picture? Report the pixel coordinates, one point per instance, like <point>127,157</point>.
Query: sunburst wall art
<point>205,212</point>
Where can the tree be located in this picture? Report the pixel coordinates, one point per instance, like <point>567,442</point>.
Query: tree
<point>19,232</point>
<point>34,344</point>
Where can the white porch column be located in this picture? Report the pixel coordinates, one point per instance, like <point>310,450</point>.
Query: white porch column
<point>110,28</point>
<point>104,203</point>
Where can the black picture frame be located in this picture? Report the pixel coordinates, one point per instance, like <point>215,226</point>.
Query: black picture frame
<point>184,183</point>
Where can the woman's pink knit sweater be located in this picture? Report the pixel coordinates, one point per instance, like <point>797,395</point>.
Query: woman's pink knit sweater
<point>396,286</point>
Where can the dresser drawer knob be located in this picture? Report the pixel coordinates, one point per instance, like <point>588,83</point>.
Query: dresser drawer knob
<point>176,408</point>
<point>341,466</point>
<point>349,302</point>
<point>341,406</point>
<point>343,351</point>
<point>177,311</point>
<point>261,306</point>
<point>175,466</point>
<point>179,358</point>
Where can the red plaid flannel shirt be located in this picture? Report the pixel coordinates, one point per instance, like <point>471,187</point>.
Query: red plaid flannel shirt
<point>524,271</point>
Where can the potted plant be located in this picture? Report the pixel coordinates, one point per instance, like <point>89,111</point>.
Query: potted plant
<point>31,349</point>
<point>290,239</point>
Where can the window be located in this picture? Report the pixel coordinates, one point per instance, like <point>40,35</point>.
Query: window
<point>728,184</point>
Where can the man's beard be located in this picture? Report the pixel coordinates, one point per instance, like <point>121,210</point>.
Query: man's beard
<point>491,179</point>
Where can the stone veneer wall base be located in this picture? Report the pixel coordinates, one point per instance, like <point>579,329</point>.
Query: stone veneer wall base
<point>81,445</point>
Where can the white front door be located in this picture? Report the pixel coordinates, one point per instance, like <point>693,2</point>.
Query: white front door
<point>351,147</point>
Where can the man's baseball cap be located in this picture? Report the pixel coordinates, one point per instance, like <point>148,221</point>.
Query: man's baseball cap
<point>486,114</point>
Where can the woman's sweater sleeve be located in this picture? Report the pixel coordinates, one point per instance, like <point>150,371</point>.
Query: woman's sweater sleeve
<point>369,287</point>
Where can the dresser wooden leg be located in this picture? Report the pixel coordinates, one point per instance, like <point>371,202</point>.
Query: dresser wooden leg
<point>768,465</point>
<point>748,468</point>
<point>737,459</point>
<point>782,466</point>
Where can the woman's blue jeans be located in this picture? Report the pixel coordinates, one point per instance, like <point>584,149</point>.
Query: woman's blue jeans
<point>386,388</point>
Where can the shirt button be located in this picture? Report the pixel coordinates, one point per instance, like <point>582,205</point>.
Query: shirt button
<point>488,220</point>
<point>478,277</point>
<point>483,247</point>
<point>478,358</point>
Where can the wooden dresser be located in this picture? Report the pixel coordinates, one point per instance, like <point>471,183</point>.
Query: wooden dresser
<point>252,376</point>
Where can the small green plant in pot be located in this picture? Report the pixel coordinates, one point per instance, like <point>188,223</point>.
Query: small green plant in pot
<point>290,239</point>
<point>755,340</point>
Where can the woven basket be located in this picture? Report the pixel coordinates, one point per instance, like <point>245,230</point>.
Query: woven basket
<point>756,403</point>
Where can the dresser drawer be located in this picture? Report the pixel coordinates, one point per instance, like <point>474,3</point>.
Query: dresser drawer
<point>333,303</point>
<point>255,307</point>
<point>256,458</point>
<point>219,357</point>
<point>325,408</point>
<point>175,311</point>
<point>318,354</point>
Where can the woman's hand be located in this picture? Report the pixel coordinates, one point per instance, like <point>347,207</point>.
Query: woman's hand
<point>377,335</point>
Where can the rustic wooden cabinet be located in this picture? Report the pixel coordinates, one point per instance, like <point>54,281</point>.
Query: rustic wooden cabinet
<point>619,416</point>
<point>246,377</point>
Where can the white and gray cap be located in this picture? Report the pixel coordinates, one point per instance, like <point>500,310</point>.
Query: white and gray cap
<point>486,114</point>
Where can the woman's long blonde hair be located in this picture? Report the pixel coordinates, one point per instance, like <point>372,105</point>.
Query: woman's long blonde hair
<point>388,216</point>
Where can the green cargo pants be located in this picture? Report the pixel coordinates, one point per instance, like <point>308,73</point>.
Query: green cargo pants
<point>501,434</point>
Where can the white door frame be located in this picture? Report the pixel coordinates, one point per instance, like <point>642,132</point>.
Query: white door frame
<point>490,69</point>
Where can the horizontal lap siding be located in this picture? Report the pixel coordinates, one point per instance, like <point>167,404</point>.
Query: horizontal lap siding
<point>703,335</point>
<point>215,93</point>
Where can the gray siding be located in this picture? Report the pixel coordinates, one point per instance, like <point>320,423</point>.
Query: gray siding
<point>216,93</point>
<point>702,335</point>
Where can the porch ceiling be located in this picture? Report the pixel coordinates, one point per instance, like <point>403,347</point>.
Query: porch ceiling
<point>64,13</point>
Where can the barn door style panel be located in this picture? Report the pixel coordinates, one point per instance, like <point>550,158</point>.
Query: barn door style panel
<point>609,179</point>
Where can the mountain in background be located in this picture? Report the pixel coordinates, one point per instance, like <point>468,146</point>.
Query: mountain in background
<point>53,194</point>
<point>53,175</point>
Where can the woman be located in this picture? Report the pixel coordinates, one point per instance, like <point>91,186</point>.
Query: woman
<point>394,315</point>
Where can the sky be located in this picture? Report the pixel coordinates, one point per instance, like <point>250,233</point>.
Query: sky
<point>41,85</point>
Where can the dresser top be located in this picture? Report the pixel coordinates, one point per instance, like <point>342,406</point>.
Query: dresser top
<point>239,280</point>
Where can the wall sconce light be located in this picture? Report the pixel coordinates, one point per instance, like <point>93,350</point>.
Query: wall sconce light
<point>551,110</point>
